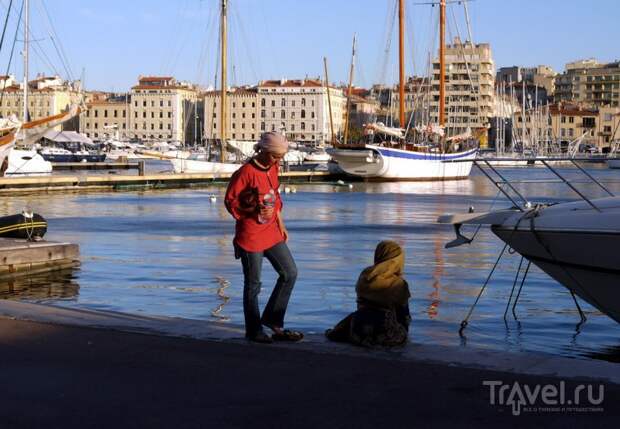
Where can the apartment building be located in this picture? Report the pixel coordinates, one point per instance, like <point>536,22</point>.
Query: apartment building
<point>591,82</point>
<point>242,112</point>
<point>163,109</point>
<point>470,82</point>
<point>297,108</point>
<point>300,109</point>
<point>108,116</point>
<point>47,96</point>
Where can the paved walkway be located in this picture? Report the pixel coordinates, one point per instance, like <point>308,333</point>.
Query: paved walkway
<point>58,376</point>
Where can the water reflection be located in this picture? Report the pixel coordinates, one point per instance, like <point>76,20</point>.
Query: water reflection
<point>56,285</point>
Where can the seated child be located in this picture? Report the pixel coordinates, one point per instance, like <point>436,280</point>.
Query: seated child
<point>382,317</point>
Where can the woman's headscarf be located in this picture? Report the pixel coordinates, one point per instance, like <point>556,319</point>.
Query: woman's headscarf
<point>383,283</point>
<point>273,142</point>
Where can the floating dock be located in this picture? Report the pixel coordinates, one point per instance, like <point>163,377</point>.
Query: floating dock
<point>11,185</point>
<point>20,257</point>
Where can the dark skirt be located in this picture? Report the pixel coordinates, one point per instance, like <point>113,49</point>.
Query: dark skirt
<point>373,326</point>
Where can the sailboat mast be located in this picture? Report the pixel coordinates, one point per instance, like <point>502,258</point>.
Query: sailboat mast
<point>329,101</point>
<point>346,119</point>
<point>401,62</point>
<point>27,11</point>
<point>442,63</point>
<point>223,94</point>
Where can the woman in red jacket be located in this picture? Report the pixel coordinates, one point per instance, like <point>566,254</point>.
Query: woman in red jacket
<point>252,198</point>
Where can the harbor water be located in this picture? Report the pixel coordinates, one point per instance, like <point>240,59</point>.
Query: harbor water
<point>169,252</point>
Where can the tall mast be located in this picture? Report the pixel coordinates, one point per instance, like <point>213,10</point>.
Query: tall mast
<point>401,62</point>
<point>442,62</point>
<point>223,94</point>
<point>329,101</point>
<point>346,120</point>
<point>27,11</point>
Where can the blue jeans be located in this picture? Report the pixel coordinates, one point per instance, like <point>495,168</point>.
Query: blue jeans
<point>273,315</point>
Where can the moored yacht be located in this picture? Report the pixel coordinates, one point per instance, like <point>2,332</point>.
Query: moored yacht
<point>576,243</point>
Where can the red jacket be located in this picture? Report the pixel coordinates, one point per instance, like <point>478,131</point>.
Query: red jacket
<point>251,179</point>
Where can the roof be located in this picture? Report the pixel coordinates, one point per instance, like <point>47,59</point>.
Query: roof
<point>572,110</point>
<point>291,83</point>
<point>67,137</point>
<point>186,88</point>
<point>154,78</point>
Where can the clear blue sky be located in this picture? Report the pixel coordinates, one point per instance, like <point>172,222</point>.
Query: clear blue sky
<point>114,41</point>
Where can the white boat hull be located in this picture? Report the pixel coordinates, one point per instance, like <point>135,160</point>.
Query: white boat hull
<point>576,245</point>
<point>376,162</point>
<point>194,166</point>
<point>27,163</point>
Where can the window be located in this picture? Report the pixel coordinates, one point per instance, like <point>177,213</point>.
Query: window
<point>303,113</point>
<point>312,115</point>
<point>303,101</point>
<point>273,103</point>
<point>234,126</point>
<point>96,113</point>
<point>273,115</point>
<point>262,126</point>
<point>253,105</point>
<point>161,103</point>
<point>253,115</point>
<point>135,114</point>
<point>243,115</point>
<point>152,126</point>
<point>161,126</point>
<point>169,126</point>
<point>144,114</point>
<point>243,104</point>
<point>571,119</point>
<point>303,125</point>
<point>234,115</point>
<point>152,103</point>
<point>262,103</point>
<point>144,103</point>
<point>243,125</point>
<point>312,127</point>
<point>283,102</point>
<point>105,113</point>
<point>135,103</point>
<point>169,103</point>
<point>96,125</point>
<point>283,114</point>
<point>124,113</point>
<point>563,120</point>
<point>170,114</point>
<point>292,127</point>
<point>161,114</point>
<point>293,115</point>
<point>293,103</point>
<point>262,113</point>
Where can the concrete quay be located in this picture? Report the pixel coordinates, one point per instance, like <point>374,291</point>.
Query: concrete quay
<point>84,368</point>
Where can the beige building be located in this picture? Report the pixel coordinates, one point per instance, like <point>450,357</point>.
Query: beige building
<point>597,125</point>
<point>470,82</point>
<point>162,109</point>
<point>591,82</point>
<point>296,107</point>
<point>242,112</point>
<point>300,109</point>
<point>106,119</point>
<point>47,96</point>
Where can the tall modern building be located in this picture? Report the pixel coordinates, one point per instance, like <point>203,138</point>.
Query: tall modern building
<point>470,81</point>
<point>589,82</point>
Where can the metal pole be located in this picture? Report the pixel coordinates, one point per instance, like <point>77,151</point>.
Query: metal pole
<point>401,62</point>
<point>26,19</point>
<point>223,100</point>
<point>329,101</point>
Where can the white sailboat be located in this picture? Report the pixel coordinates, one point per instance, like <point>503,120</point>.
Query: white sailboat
<point>404,161</point>
<point>198,166</point>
